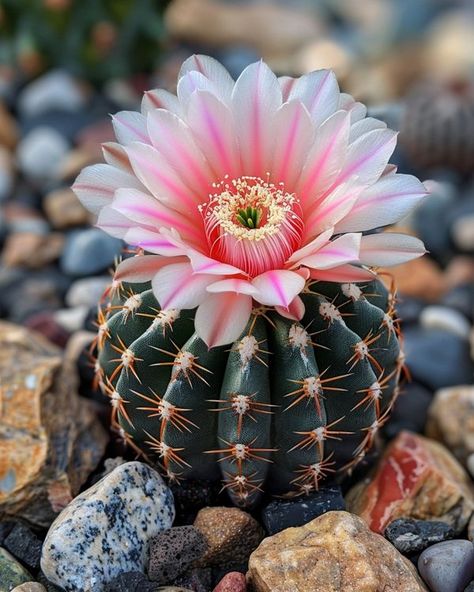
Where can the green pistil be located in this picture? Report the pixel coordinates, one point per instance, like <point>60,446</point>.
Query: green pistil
<point>250,218</point>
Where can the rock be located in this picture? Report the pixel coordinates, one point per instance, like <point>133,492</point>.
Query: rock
<point>50,587</point>
<point>46,325</point>
<point>6,526</point>
<point>89,251</point>
<point>470,529</point>
<point>231,535</point>
<point>459,271</point>
<point>8,128</point>
<point>451,420</point>
<point>416,478</point>
<point>87,291</point>
<point>32,250</point>
<point>461,300</point>
<point>462,228</point>
<point>335,552</point>
<point>40,153</point>
<point>30,587</point>
<point>64,209</point>
<point>437,358</point>
<point>442,317</point>
<point>470,465</point>
<point>6,174</point>
<point>50,440</point>
<point>109,525</point>
<point>419,278</point>
<point>24,545</point>
<point>232,582</point>
<point>192,495</point>
<point>281,513</point>
<point>12,573</point>
<point>173,551</point>
<point>196,579</point>
<point>410,410</point>
<point>447,566</point>
<point>412,536</point>
<point>133,581</point>
<point>470,587</point>
<point>56,89</point>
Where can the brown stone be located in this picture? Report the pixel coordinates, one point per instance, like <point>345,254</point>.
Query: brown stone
<point>75,161</point>
<point>420,278</point>
<point>416,478</point>
<point>64,209</point>
<point>451,420</point>
<point>50,439</point>
<point>8,128</point>
<point>32,250</point>
<point>335,552</point>
<point>460,270</point>
<point>231,535</point>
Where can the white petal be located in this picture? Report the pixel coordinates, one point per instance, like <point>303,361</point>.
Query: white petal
<point>389,248</point>
<point>177,286</point>
<point>213,70</point>
<point>344,249</point>
<point>130,126</point>
<point>278,287</point>
<point>319,92</point>
<point>222,318</point>
<point>161,99</point>
<point>363,126</point>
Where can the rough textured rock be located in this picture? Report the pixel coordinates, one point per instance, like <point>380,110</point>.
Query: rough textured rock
<point>412,536</point>
<point>333,553</point>
<point>416,478</point>
<point>448,566</point>
<point>198,579</point>
<point>50,439</point>
<point>12,573</point>
<point>232,582</point>
<point>109,527</point>
<point>451,420</point>
<point>173,551</point>
<point>133,581</point>
<point>231,535</point>
<point>24,545</point>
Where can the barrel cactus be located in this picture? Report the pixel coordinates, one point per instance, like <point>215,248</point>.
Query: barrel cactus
<point>250,336</point>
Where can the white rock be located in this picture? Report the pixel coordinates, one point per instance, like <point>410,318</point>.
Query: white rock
<point>41,152</point>
<point>87,291</point>
<point>55,90</point>
<point>71,319</point>
<point>442,317</point>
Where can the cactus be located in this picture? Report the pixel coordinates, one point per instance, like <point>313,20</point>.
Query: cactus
<point>289,405</point>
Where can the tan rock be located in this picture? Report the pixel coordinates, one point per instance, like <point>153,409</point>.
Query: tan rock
<point>50,438</point>
<point>32,250</point>
<point>451,420</point>
<point>416,478</point>
<point>336,552</point>
<point>64,209</point>
<point>231,535</point>
<point>29,587</point>
<point>420,278</point>
<point>8,128</point>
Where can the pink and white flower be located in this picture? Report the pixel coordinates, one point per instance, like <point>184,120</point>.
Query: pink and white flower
<point>243,191</point>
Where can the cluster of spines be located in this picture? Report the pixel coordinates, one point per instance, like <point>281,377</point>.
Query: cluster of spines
<point>289,405</point>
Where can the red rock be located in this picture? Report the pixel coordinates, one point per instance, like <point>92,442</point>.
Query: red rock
<point>232,582</point>
<point>416,478</point>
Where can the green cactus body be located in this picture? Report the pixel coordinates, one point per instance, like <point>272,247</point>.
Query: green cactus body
<point>287,406</point>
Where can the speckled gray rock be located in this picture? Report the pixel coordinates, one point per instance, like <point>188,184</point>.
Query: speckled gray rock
<point>105,531</point>
<point>447,566</point>
<point>412,536</point>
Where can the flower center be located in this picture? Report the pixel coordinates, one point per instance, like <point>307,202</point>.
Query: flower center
<point>252,223</point>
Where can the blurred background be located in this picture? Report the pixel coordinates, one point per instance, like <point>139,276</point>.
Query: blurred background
<point>65,65</point>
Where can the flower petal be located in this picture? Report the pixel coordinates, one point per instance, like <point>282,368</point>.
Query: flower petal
<point>95,186</point>
<point>343,274</point>
<point>222,318</point>
<point>213,70</point>
<point>190,83</point>
<point>386,202</point>
<point>356,110</point>
<point>161,99</point>
<point>255,100</point>
<point>115,155</point>
<point>295,310</point>
<point>286,84</point>
<point>177,286</point>
<point>143,268</point>
<point>344,249</point>
<point>152,241</point>
<point>278,287</point>
<point>312,246</point>
<point>203,264</point>
<point>233,285</point>
<point>389,248</point>
<point>130,126</point>
<point>319,92</point>
<point>363,126</point>
<point>114,223</point>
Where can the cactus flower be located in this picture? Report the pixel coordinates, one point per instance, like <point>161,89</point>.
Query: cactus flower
<point>241,192</point>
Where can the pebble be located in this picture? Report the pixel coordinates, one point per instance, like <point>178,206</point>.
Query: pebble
<point>12,573</point>
<point>412,536</point>
<point>232,582</point>
<point>470,464</point>
<point>90,251</point>
<point>24,545</point>
<point>470,587</point>
<point>410,410</point>
<point>30,587</point>
<point>109,525</point>
<point>40,153</point>
<point>280,514</point>
<point>447,566</point>
<point>230,533</point>
<point>192,495</point>
<point>71,319</point>
<point>63,209</point>
<point>133,581</point>
<point>196,579</point>
<point>6,174</point>
<point>32,250</point>
<point>87,291</point>
<point>173,551</point>
<point>461,300</point>
<point>442,317</point>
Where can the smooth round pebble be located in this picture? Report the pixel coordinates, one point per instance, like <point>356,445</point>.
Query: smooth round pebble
<point>447,566</point>
<point>442,317</point>
<point>40,153</point>
<point>30,587</point>
<point>89,251</point>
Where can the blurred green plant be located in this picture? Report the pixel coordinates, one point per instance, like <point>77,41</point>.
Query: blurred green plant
<point>96,39</point>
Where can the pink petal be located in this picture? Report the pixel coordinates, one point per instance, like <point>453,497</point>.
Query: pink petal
<point>177,286</point>
<point>160,179</point>
<point>233,285</point>
<point>389,248</point>
<point>203,264</point>
<point>278,287</point>
<point>294,131</point>
<point>222,318</point>
<point>311,247</point>
<point>213,129</point>
<point>344,249</point>
<point>363,126</point>
<point>174,140</point>
<point>213,70</point>
<point>95,186</point>
<point>343,274</point>
<point>142,268</point>
<point>295,311</point>
<point>115,155</point>
<point>152,241</point>
<point>356,110</point>
<point>286,84</point>
<point>130,126</point>
<point>319,92</point>
<point>386,202</point>
<point>191,82</point>
<point>114,223</point>
<point>161,99</point>
<point>255,100</point>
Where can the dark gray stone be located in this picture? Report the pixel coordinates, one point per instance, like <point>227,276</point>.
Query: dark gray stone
<point>133,581</point>
<point>191,495</point>
<point>410,410</point>
<point>198,579</point>
<point>280,514</point>
<point>470,587</point>
<point>88,252</point>
<point>447,566</point>
<point>412,536</point>
<point>24,545</point>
